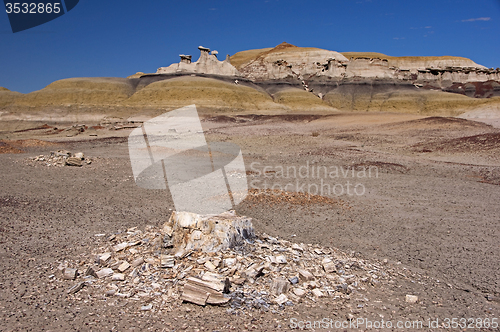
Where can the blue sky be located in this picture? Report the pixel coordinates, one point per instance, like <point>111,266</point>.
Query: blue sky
<point>116,38</point>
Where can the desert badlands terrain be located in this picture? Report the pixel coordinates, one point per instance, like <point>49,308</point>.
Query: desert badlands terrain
<point>373,194</point>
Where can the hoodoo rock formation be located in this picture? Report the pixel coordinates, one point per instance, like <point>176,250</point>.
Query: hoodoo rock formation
<point>206,64</point>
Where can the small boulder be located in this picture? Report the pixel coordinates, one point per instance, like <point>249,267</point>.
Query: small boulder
<point>73,161</point>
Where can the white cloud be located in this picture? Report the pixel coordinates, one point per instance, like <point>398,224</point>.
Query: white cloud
<point>477,19</point>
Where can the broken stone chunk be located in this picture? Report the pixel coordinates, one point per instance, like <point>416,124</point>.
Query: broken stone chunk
<point>281,259</point>
<point>193,294</point>
<point>137,262</point>
<point>328,265</point>
<point>228,262</point>
<point>69,273</point>
<point>239,281</point>
<point>147,307</point>
<point>411,299</point>
<point>134,243</point>
<point>167,261</point>
<point>196,289</point>
<point>79,155</point>
<point>72,161</point>
<point>186,219</point>
<point>90,272</point>
<point>114,265</point>
<point>310,284</point>
<point>317,292</point>
<point>134,273</point>
<point>61,153</point>
<point>123,266</point>
<point>104,272</point>
<point>281,299</point>
<point>305,275</point>
<point>167,230</point>
<point>279,286</point>
<point>150,260</point>
<point>216,285</point>
<point>76,288</point>
<point>210,266</point>
<point>216,280</point>
<point>299,292</point>
<point>120,246</point>
<point>118,277</point>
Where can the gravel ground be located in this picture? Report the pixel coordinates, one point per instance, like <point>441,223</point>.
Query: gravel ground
<point>429,220</point>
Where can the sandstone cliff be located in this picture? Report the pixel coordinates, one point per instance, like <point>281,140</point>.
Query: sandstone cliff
<point>417,62</point>
<point>289,61</point>
<point>286,60</point>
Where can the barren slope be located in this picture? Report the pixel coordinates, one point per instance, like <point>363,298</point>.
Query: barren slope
<point>425,102</point>
<point>204,92</point>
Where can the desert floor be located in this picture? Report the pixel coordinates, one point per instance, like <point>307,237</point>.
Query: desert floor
<point>429,216</point>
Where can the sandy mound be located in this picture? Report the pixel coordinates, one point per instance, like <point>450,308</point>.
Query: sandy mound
<point>7,97</point>
<point>204,92</point>
<point>468,144</point>
<point>16,146</point>
<point>70,100</point>
<point>5,147</point>
<point>301,100</point>
<point>80,91</point>
<point>425,102</point>
<point>489,114</point>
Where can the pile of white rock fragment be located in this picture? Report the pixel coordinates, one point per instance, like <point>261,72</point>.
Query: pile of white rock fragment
<point>63,158</point>
<point>216,260</point>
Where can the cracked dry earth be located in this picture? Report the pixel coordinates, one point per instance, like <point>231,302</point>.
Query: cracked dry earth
<point>426,225</point>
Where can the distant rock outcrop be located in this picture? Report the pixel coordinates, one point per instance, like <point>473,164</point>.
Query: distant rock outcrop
<point>206,64</point>
<point>417,62</point>
<point>289,61</point>
<point>286,60</point>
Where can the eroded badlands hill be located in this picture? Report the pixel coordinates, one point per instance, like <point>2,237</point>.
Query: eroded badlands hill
<point>282,79</point>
